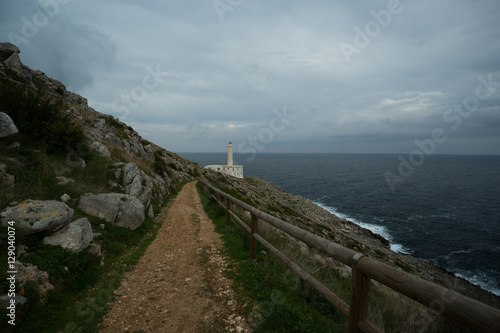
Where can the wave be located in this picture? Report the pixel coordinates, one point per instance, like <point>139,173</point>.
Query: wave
<point>479,279</point>
<point>375,228</point>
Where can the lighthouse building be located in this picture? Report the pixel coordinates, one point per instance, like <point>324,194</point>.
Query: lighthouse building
<point>229,168</point>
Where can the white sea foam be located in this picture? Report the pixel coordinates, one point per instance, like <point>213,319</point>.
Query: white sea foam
<point>376,229</point>
<point>480,280</point>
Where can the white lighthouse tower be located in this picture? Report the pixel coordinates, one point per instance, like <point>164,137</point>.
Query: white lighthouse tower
<point>229,168</point>
<point>230,154</point>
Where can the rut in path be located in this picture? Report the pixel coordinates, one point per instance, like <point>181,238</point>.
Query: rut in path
<point>178,285</point>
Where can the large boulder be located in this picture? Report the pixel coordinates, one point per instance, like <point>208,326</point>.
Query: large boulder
<point>7,126</point>
<point>119,209</point>
<point>33,216</point>
<point>74,237</point>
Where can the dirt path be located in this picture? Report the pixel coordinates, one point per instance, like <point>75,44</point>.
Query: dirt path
<point>178,285</point>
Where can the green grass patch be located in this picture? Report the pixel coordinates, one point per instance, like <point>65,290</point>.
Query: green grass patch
<point>277,300</point>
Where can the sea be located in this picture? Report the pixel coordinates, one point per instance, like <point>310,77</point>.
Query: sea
<point>443,208</point>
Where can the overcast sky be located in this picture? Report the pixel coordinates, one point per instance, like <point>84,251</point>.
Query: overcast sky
<point>277,76</point>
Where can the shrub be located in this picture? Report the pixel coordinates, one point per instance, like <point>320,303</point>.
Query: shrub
<point>39,116</point>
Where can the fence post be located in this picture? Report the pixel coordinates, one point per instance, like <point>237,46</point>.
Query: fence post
<point>228,214</point>
<point>253,241</point>
<point>360,286</point>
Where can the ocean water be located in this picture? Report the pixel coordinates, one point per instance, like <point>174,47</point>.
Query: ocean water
<point>446,212</point>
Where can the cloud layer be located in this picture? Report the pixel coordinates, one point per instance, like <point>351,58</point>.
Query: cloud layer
<point>357,78</point>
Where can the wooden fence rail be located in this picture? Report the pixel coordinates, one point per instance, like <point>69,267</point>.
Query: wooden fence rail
<point>462,309</point>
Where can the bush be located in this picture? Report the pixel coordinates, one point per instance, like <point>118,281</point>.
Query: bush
<point>38,116</point>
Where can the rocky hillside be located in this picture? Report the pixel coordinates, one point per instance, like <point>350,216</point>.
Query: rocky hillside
<point>71,177</point>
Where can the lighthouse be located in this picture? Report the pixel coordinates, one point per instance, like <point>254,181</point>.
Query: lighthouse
<point>229,168</point>
<point>230,154</point>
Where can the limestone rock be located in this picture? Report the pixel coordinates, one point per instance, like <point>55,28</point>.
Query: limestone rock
<point>137,183</point>
<point>9,54</point>
<point>7,179</point>
<point>65,198</point>
<point>95,249</point>
<point>28,272</point>
<point>64,180</point>
<point>151,212</point>
<point>101,149</point>
<point>33,216</point>
<point>5,300</point>
<point>74,237</point>
<point>15,145</point>
<point>119,209</point>
<point>7,126</point>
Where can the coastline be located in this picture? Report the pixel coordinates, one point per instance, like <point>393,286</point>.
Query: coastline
<point>308,215</point>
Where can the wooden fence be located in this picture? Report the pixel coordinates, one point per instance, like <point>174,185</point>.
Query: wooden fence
<point>467,311</point>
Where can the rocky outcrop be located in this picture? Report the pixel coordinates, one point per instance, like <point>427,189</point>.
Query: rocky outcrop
<point>9,56</point>
<point>7,126</point>
<point>137,183</point>
<point>119,209</point>
<point>30,273</point>
<point>33,216</point>
<point>74,237</point>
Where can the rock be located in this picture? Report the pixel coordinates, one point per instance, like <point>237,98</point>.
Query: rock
<point>30,273</point>
<point>151,212</point>
<point>119,209</point>
<point>319,258</point>
<point>5,300</point>
<point>9,54</point>
<point>6,178</point>
<point>137,183</point>
<point>33,216</point>
<point>101,149</point>
<point>74,237</point>
<point>7,126</point>
<point>65,198</point>
<point>15,145</point>
<point>95,249</point>
<point>304,249</point>
<point>21,249</point>
<point>64,180</point>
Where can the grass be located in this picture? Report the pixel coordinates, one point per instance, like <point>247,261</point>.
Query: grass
<point>276,299</point>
